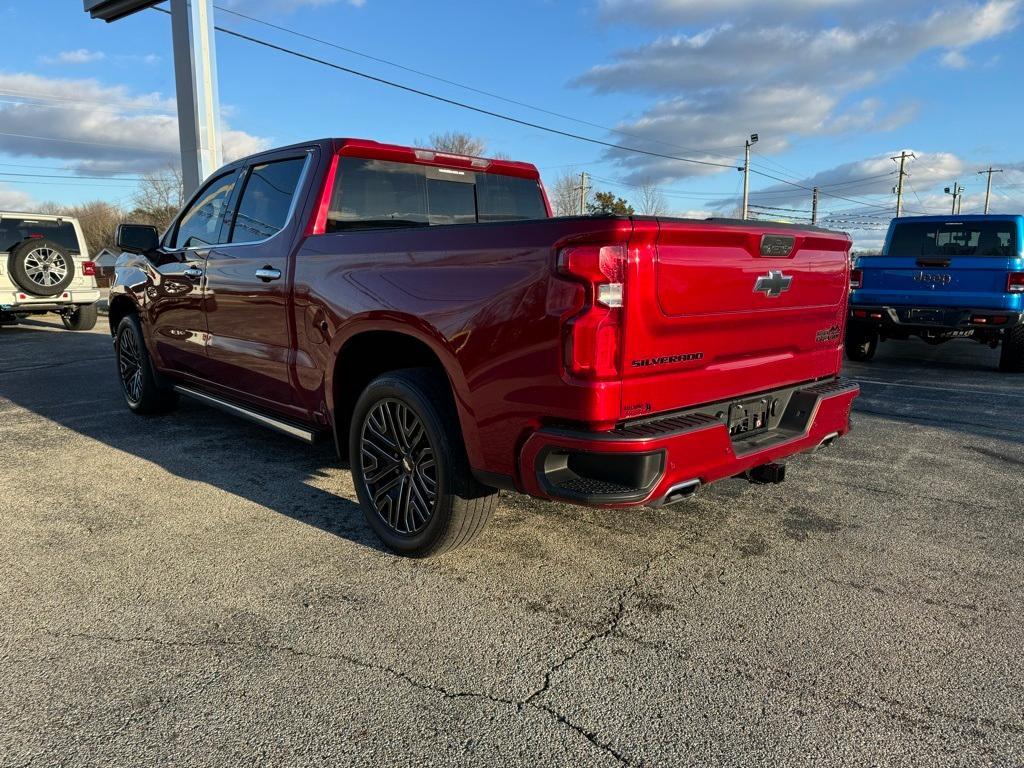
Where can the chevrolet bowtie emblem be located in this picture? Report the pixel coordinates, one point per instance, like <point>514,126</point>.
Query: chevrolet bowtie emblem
<point>774,284</point>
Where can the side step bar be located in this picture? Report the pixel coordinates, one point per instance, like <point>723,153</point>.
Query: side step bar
<point>284,427</point>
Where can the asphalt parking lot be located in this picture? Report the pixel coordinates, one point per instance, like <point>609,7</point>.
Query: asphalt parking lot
<point>192,590</point>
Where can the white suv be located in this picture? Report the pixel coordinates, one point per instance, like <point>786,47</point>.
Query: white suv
<point>45,267</point>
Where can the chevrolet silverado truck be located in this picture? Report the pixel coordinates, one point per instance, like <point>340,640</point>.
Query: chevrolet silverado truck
<point>427,313</point>
<point>942,278</point>
<point>45,267</point>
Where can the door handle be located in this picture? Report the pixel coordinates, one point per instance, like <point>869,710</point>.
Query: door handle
<point>193,272</point>
<point>268,273</point>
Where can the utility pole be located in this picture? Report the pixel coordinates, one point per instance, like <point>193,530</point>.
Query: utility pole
<point>746,174</point>
<point>902,157</point>
<point>988,186</point>
<point>814,207</point>
<point>582,189</point>
<point>957,192</point>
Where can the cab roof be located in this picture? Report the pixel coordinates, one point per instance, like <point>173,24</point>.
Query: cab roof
<point>376,150</point>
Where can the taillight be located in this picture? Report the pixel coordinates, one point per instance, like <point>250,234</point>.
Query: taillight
<point>593,340</point>
<point>1015,282</point>
<point>89,268</point>
<point>856,278</point>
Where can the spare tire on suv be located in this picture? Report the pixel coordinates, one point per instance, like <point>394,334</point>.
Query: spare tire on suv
<point>41,267</point>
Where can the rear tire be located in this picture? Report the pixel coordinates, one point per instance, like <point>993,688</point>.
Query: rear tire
<point>861,344</point>
<point>410,468</point>
<point>1011,356</point>
<point>142,388</point>
<point>83,318</point>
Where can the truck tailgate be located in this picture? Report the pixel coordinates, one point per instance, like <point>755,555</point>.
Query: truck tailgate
<point>717,310</point>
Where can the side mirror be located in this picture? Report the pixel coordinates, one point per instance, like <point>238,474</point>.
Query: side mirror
<point>137,238</point>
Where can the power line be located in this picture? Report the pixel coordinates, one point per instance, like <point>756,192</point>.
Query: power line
<point>446,81</point>
<point>153,150</point>
<point>501,116</point>
<point>122,179</point>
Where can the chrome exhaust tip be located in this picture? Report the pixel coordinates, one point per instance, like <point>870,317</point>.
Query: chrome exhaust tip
<point>827,440</point>
<point>680,492</point>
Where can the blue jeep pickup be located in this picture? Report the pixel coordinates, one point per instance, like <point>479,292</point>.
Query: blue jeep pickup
<point>942,278</point>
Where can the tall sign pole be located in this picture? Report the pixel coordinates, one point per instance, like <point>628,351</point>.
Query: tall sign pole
<point>195,75</point>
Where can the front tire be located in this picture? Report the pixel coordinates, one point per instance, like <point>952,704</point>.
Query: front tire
<point>82,318</point>
<point>142,389</point>
<point>1011,356</point>
<point>861,344</point>
<point>410,468</point>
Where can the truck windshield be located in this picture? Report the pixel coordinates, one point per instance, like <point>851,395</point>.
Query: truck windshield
<point>953,238</point>
<point>17,230</point>
<point>372,194</point>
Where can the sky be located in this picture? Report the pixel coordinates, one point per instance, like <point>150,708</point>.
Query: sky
<point>833,88</point>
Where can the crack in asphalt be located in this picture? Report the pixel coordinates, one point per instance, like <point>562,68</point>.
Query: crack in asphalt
<point>617,613</point>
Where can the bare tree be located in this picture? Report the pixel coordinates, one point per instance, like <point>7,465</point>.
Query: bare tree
<point>99,222</point>
<point>457,143</point>
<point>565,194</point>
<point>98,219</point>
<point>651,200</point>
<point>158,198</point>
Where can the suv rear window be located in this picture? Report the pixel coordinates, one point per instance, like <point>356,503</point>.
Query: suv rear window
<point>954,238</point>
<point>371,194</point>
<point>14,231</point>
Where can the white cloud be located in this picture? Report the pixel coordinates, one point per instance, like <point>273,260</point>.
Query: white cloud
<point>77,56</point>
<point>784,80</point>
<point>657,12</point>
<point>839,56</point>
<point>14,199</point>
<point>954,60</point>
<point>97,128</point>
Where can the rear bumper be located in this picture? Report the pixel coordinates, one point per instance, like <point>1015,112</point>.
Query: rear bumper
<point>912,319</point>
<point>661,460</point>
<point>13,302</point>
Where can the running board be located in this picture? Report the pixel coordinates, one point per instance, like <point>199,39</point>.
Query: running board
<point>284,427</point>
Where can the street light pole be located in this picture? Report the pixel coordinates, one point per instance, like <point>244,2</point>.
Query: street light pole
<point>746,174</point>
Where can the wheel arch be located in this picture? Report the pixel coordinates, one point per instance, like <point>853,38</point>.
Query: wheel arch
<point>118,308</point>
<point>368,350</point>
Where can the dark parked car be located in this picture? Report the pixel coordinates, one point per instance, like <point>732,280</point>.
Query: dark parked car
<point>426,312</point>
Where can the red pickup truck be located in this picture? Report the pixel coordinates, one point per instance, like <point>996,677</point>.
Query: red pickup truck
<point>427,312</point>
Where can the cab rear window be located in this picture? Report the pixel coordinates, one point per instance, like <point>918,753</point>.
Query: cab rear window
<point>16,230</point>
<point>373,194</point>
<point>954,238</point>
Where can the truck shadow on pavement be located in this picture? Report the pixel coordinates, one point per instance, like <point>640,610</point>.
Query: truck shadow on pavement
<point>69,379</point>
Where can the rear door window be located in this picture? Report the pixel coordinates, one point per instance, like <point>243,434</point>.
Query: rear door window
<point>954,238</point>
<point>16,230</point>
<point>266,200</point>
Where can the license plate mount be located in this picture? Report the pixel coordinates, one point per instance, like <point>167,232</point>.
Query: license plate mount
<point>749,416</point>
<point>927,315</point>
